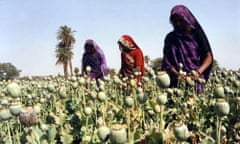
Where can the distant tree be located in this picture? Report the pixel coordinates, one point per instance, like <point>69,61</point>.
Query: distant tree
<point>157,64</point>
<point>8,71</point>
<point>64,48</point>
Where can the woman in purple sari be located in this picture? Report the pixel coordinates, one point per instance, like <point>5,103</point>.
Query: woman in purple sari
<point>94,57</point>
<point>186,44</point>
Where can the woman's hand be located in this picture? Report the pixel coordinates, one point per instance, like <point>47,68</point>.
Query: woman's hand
<point>195,74</point>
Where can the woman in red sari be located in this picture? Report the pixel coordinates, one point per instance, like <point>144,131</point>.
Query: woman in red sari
<point>132,59</point>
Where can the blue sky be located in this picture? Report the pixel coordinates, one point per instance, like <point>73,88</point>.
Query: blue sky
<point>28,29</point>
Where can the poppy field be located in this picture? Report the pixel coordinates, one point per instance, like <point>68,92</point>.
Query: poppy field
<point>118,110</point>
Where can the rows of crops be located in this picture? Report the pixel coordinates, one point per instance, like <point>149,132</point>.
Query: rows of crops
<point>118,110</point>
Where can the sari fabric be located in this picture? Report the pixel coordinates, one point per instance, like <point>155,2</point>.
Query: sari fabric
<point>188,49</point>
<point>97,61</point>
<point>130,60</point>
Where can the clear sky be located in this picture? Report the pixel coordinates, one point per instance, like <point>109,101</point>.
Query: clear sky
<point>28,29</point>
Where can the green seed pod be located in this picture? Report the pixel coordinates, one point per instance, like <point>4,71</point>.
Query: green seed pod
<point>73,78</point>
<point>101,87</point>
<point>14,90</point>
<point>37,108</point>
<point>93,94</point>
<point>181,132</point>
<point>4,102</point>
<point>170,91</point>
<point>50,87</point>
<point>42,100</point>
<point>236,83</point>
<point>82,80</point>
<point>75,85</point>
<point>88,69</point>
<point>142,98</point>
<point>102,96</point>
<point>88,111</point>
<point>180,65</point>
<point>15,109</point>
<point>5,115</point>
<point>129,101</point>
<point>118,134</point>
<point>145,79</point>
<point>62,91</point>
<point>151,112</point>
<point>103,133</point>
<point>237,100</point>
<point>219,91</point>
<point>133,82</point>
<point>162,99</point>
<point>139,90</point>
<point>100,121</point>
<point>157,108</point>
<point>43,126</point>
<point>222,107</point>
<point>163,79</point>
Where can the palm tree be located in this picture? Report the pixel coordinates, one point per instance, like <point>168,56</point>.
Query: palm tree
<point>64,48</point>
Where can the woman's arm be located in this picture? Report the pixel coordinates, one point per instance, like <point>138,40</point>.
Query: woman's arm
<point>206,63</point>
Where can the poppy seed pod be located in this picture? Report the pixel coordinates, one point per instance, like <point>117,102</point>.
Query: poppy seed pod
<point>75,85</point>
<point>129,101</point>
<point>88,69</point>
<point>28,116</point>
<point>163,79</point>
<point>222,107</point>
<point>103,133</point>
<point>81,80</point>
<point>51,87</point>
<point>15,109</point>
<point>102,96</point>
<point>219,91</point>
<point>162,99</point>
<point>142,97</point>
<point>37,108</point>
<point>93,94</point>
<point>118,134</point>
<point>180,65</point>
<point>62,91</point>
<point>14,90</point>
<point>5,115</point>
<point>87,110</point>
<point>133,82</point>
<point>4,102</point>
<point>181,132</point>
<point>157,108</point>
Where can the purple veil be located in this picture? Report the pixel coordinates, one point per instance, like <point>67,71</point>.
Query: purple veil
<point>188,49</point>
<point>100,51</point>
<point>171,58</point>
